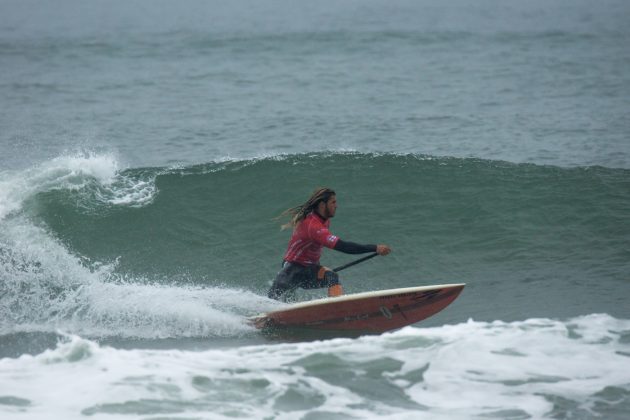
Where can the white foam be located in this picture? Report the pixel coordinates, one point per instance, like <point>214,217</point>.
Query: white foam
<point>517,364</point>
<point>130,192</point>
<point>470,370</point>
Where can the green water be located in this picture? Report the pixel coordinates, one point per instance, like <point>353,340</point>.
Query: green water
<point>537,239</point>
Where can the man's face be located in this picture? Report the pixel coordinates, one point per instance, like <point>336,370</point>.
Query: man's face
<point>331,206</point>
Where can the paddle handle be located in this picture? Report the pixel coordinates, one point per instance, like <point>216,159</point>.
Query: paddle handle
<point>355,262</point>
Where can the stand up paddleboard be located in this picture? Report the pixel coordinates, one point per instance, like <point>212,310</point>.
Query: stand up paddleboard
<point>374,312</point>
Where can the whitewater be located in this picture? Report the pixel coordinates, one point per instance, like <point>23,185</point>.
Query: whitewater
<point>532,369</point>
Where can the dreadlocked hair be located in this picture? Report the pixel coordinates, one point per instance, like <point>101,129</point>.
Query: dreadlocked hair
<point>298,213</point>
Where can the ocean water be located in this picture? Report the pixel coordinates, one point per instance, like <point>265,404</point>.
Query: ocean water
<point>146,148</point>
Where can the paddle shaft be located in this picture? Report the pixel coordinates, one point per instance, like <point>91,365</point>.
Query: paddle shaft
<point>355,262</point>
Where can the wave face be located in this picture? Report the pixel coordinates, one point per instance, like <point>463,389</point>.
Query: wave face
<point>538,368</point>
<point>185,252</point>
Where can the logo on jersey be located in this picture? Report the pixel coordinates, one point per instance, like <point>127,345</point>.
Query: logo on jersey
<point>331,238</point>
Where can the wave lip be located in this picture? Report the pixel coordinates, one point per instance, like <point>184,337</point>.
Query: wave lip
<point>99,176</point>
<point>64,172</point>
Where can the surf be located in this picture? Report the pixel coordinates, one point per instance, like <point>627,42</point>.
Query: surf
<point>536,368</point>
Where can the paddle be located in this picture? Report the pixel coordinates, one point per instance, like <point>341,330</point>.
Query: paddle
<point>355,262</point>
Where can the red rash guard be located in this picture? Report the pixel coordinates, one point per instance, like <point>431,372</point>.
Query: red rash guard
<point>308,239</point>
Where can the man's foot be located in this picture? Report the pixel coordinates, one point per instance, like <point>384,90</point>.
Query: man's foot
<point>335,290</point>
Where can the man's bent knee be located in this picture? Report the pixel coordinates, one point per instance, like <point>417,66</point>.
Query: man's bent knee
<point>329,277</point>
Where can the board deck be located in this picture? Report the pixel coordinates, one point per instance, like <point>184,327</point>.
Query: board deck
<point>376,312</point>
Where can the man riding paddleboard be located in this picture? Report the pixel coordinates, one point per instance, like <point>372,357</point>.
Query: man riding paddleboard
<point>301,267</point>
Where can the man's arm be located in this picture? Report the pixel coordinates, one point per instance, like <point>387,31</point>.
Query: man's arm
<point>348,247</point>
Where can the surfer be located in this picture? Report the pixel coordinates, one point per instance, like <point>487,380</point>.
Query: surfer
<point>301,268</point>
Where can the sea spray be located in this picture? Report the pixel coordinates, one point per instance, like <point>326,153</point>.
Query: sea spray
<point>45,287</point>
